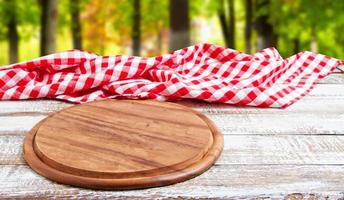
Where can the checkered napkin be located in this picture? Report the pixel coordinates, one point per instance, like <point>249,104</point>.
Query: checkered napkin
<point>205,72</point>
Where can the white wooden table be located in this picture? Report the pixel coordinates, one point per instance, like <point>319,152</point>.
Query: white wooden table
<point>293,153</point>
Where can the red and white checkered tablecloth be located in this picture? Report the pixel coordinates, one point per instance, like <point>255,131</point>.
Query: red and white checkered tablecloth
<point>205,72</point>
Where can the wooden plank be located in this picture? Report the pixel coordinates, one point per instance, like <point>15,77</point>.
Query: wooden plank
<point>335,78</point>
<point>319,102</point>
<point>308,116</point>
<point>283,123</point>
<point>312,103</point>
<point>311,115</point>
<point>240,149</point>
<point>333,90</point>
<point>283,149</point>
<point>30,107</point>
<point>308,104</point>
<point>18,124</point>
<point>221,181</point>
<point>11,150</point>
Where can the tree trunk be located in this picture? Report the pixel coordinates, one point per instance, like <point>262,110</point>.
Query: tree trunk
<point>231,24</point>
<point>227,22</point>
<point>76,24</point>
<point>223,22</point>
<point>266,36</point>
<point>12,33</point>
<point>179,24</point>
<point>314,40</point>
<point>296,42</point>
<point>248,26</point>
<point>48,26</point>
<point>136,28</point>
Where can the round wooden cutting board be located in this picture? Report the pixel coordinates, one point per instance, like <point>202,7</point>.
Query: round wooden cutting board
<point>123,144</point>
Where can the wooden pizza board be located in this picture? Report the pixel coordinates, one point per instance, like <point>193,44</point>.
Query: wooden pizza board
<point>123,144</point>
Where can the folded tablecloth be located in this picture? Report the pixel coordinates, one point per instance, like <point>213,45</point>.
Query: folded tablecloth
<point>205,72</point>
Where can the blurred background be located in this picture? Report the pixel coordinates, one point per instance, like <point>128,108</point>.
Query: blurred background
<point>31,28</point>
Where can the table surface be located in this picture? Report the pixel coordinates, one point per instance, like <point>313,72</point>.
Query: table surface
<point>291,153</point>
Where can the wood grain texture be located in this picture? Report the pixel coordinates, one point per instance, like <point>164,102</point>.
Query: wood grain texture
<point>221,181</point>
<point>123,144</point>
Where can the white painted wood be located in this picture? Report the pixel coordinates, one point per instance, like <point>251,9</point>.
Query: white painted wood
<point>241,149</point>
<point>308,104</point>
<point>222,181</point>
<point>283,149</point>
<point>291,153</point>
<point>11,150</point>
<point>18,124</point>
<point>30,107</point>
<point>332,90</point>
<point>335,78</point>
<point>282,123</point>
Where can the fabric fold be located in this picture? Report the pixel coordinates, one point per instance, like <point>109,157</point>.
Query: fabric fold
<point>205,72</point>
